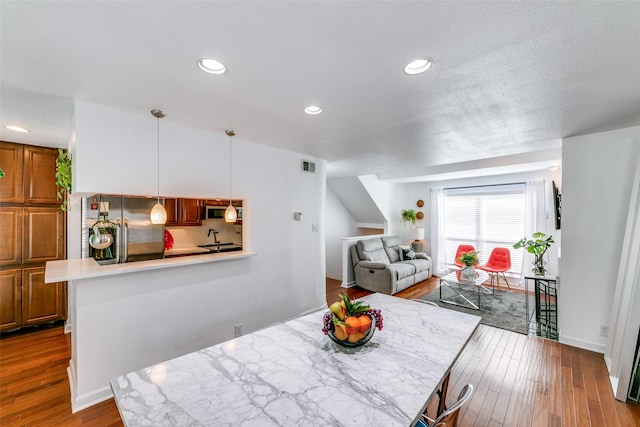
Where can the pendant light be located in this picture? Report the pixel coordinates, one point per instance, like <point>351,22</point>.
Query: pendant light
<point>230,214</point>
<point>158,214</point>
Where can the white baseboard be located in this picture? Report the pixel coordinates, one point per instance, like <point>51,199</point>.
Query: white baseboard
<point>79,403</point>
<point>348,285</point>
<point>583,344</point>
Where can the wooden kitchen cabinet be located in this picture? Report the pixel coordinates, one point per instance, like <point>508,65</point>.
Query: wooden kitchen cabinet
<point>39,175</point>
<point>11,161</point>
<point>190,212</point>
<point>10,298</point>
<point>171,206</point>
<point>40,244</point>
<point>183,212</point>
<point>41,302</point>
<point>32,232</point>
<point>11,232</point>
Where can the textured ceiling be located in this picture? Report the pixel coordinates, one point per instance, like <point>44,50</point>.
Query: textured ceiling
<point>509,77</point>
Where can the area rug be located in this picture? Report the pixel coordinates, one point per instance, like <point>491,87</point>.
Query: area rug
<point>504,309</point>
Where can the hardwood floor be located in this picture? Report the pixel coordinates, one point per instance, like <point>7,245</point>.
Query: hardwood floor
<point>34,387</point>
<point>520,380</point>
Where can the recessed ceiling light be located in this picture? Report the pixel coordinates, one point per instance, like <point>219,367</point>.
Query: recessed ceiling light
<point>211,66</point>
<point>17,128</point>
<point>313,109</point>
<point>418,66</point>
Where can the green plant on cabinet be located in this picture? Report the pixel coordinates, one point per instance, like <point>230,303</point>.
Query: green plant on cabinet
<point>63,177</point>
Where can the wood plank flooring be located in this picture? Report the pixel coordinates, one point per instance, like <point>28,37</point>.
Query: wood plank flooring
<point>519,380</point>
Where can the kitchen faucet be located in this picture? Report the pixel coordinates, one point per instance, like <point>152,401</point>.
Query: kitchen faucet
<point>215,235</point>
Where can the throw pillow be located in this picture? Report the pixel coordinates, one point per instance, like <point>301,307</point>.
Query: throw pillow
<point>406,252</point>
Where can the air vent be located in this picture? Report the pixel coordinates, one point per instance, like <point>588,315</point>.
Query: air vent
<point>308,166</point>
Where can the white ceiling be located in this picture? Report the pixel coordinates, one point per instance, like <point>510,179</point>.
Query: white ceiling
<point>509,77</point>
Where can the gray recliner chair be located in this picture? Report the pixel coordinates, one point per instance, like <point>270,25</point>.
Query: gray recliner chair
<point>379,266</point>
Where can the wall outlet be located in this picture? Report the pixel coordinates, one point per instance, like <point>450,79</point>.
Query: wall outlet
<point>315,228</point>
<point>604,331</point>
<point>237,330</point>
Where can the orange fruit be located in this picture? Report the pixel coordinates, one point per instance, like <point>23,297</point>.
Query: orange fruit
<point>340,332</point>
<point>365,323</point>
<point>353,324</point>
<point>353,338</point>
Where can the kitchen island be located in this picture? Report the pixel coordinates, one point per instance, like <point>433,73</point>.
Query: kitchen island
<point>123,317</point>
<point>293,375</point>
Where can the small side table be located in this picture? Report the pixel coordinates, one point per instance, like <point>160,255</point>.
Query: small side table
<point>546,305</point>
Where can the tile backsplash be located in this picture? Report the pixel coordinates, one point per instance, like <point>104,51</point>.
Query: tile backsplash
<point>186,237</point>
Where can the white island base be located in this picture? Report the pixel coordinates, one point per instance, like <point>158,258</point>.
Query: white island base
<point>125,317</point>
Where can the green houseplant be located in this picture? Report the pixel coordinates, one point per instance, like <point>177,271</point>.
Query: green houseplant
<point>63,177</point>
<point>408,215</point>
<point>536,245</point>
<point>469,259</point>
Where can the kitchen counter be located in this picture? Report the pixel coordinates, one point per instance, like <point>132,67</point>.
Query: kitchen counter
<point>73,269</point>
<point>186,251</point>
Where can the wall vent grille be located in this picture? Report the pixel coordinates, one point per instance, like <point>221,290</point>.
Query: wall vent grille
<point>308,166</point>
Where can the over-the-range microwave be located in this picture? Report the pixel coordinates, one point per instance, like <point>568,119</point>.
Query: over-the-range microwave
<point>217,212</point>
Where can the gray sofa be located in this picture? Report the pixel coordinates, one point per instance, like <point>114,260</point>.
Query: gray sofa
<point>378,266</point>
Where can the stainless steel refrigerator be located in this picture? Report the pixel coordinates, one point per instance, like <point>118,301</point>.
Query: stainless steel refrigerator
<point>124,227</point>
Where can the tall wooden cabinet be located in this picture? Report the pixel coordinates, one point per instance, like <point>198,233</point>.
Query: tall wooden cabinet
<point>33,230</point>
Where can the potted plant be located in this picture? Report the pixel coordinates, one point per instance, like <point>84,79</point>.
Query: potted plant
<point>470,260</point>
<point>408,215</point>
<point>63,177</point>
<point>537,245</point>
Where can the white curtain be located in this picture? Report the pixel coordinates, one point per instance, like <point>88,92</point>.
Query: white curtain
<point>535,220</point>
<point>437,232</point>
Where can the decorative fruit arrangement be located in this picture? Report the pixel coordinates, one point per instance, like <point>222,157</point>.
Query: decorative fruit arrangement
<point>351,321</point>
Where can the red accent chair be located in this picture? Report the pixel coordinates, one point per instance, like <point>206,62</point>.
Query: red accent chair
<point>499,262</point>
<point>461,249</point>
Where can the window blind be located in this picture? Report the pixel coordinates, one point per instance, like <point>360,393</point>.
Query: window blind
<point>485,217</point>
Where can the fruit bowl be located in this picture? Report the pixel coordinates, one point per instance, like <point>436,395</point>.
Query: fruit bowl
<point>354,339</point>
<point>351,324</point>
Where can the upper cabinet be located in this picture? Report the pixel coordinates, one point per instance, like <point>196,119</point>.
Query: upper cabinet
<point>39,167</point>
<point>29,174</point>
<point>11,156</point>
<point>191,212</point>
<point>183,212</point>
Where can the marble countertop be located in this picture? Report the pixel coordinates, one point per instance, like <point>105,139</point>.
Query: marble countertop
<point>82,268</point>
<point>291,374</point>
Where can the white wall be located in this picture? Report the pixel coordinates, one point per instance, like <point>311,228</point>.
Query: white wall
<point>597,177</point>
<point>338,224</point>
<point>287,277</point>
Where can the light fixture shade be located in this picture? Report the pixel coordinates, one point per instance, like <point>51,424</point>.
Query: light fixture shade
<point>419,234</point>
<point>230,214</point>
<point>158,214</point>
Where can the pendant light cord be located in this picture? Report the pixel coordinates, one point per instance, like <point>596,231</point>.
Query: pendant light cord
<point>230,176</point>
<point>158,158</point>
